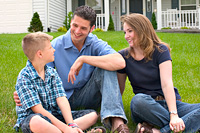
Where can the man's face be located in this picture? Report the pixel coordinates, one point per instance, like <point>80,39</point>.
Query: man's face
<point>80,28</point>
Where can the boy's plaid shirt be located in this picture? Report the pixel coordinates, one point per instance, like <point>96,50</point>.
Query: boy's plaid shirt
<point>33,90</point>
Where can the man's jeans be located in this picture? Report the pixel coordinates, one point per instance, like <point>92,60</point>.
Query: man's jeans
<point>102,90</point>
<point>145,108</point>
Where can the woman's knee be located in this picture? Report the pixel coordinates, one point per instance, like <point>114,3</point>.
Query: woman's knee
<point>140,100</point>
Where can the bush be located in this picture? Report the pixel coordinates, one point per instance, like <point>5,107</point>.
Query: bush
<point>68,20</point>
<point>153,21</point>
<point>166,28</point>
<point>98,30</point>
<point>35,24</point>
<point>62,29</point>
<point>111,25</point>
<point>185,27</point>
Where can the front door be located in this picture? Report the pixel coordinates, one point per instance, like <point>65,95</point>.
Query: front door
<point>136,6</point>
<point>149,9</point>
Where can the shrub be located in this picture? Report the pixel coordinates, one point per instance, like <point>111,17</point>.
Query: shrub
<point>185,27</point>
<point>153,21</point>
<point>62,29</point>
<point>166,28</point>
<point>98,30</point>
<point>111,25</point>
<point>35,24</point>
<point>68,20</point>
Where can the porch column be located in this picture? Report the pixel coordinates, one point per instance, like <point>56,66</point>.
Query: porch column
<point>106,7</point>
<point>199,17</point>
<point>69,6</point>
<point>159,14</point>
<point>46,12</point>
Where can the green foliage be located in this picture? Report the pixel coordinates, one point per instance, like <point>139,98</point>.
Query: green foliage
<point>98,30</point>
<point>166,28</point>
<point>35,24</point>
<point>68,20</point>
<point>185,27</point>
<point>153,21</point>
<point>62,29</point>
<point>111,25</point>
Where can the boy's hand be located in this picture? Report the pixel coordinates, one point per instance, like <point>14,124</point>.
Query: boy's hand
<point>16,99</point>
<point>74,130</point>
<point>79,130</point>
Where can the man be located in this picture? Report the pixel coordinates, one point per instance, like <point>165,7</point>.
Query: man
<point>87,67</point>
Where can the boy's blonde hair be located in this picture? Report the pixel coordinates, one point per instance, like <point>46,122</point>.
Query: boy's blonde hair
<point>33,42</point>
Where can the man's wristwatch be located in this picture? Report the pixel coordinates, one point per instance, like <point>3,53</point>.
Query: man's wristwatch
<point>173,112</point>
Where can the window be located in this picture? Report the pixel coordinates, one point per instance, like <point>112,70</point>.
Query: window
<point>188,4</point>
<point>96,5</point>
<point>148,5</point>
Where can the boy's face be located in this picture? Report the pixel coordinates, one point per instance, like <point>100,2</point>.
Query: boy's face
<point>48,52</point>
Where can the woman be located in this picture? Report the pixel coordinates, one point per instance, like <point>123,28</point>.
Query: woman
<point>149,69</point>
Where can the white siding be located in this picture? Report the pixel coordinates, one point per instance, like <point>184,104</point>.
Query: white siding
<point>114,11</point>
<point>57,14</point>
<point>15,15</point>
<point>39,7</point>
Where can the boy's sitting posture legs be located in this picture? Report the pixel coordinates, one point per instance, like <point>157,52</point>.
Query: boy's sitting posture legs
<point>87,120</point>
<point>40,125</point>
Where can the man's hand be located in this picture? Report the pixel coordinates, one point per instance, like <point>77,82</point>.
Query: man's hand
<point>74,70</point>
<point>16,99</point>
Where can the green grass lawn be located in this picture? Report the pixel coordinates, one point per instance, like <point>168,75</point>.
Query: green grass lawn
<point>186,69</point>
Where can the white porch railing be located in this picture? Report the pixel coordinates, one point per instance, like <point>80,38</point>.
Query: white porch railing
<point>100,21</point>
<point>174,18</point>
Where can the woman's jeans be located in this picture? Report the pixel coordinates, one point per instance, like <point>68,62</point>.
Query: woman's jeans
<point>145,108</point>
<point>102,90</point>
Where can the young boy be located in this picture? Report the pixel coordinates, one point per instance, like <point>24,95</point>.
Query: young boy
<point>41,93</point>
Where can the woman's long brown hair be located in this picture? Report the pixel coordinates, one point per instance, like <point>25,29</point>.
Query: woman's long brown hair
<point>146,37</point>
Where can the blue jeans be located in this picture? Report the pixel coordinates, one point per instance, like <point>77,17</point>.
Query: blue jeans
<point>145,108</point>
<point>102,90</point>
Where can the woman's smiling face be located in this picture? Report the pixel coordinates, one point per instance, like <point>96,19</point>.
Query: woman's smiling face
<point>129,34</point>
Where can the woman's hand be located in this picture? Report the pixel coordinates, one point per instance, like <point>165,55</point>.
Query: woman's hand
<point>176,124</point>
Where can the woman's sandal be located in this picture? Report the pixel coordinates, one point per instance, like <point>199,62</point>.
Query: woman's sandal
<point>123,128</point>
<point>147,128</point>
<point>96,130</point>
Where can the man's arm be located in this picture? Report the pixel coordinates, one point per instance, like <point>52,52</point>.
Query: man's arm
<point>111,62</point>
<point>16,99</point>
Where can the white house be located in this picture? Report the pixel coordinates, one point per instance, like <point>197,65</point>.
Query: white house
<point>15,15</point>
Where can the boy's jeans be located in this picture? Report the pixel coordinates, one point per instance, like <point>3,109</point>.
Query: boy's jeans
<point>102,90</point>
<point>145,108</point>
